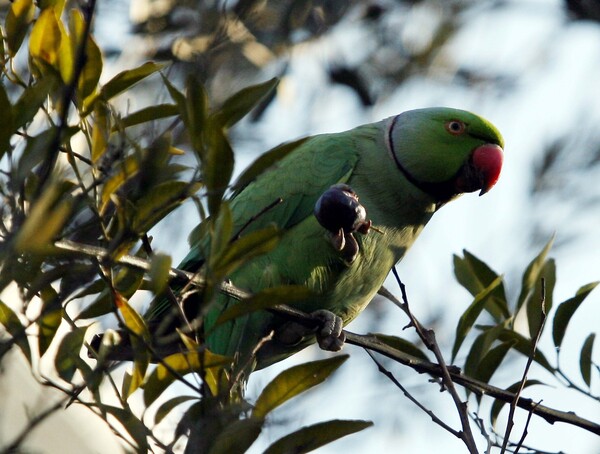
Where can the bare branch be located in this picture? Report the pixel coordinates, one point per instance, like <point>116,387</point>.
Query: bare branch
<point>428,338</point>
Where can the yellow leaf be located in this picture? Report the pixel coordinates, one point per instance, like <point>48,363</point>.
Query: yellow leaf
<point>45,39</point>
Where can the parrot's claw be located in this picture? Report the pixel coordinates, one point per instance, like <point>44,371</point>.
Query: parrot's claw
<point>330,334</point>
<point>339,211</point>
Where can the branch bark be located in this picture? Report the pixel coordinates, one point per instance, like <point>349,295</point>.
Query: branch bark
<point>367,341</point>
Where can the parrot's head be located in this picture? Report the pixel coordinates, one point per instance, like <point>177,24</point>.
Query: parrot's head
<point>445,152</point>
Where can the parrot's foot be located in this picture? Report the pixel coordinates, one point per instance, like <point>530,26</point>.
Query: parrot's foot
<point>328,331</point>
<point>339,211</point>
<point>330,334</point>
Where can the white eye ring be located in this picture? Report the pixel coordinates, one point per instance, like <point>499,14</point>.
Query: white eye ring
<point>455,127</point>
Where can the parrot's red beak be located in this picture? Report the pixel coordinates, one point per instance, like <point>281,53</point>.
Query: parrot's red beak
<point>487,163</point>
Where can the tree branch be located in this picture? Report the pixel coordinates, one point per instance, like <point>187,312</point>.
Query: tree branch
<point>368,341</point>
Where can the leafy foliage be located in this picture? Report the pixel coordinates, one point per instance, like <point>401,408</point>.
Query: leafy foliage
<point>79,172</point>
<point>84,183</point>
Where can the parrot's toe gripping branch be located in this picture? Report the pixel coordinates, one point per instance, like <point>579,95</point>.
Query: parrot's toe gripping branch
<point>330,334</point>
<point>339,211</point>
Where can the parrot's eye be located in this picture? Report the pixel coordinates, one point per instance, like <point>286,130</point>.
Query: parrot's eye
<point>455,127</point>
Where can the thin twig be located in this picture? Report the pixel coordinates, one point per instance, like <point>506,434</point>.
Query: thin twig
<point>513,404</point>
<point>369,342</point>
<point>410,397</point>
<point>428,338</point>
<point>525,431</point>
<point>32,424</point>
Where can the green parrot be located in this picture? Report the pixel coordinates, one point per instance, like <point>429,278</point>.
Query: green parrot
<point>388,178</point>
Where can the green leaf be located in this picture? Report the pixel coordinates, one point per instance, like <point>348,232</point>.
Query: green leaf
<point>32,99</point>
<point>532,275</point>
<point>6,125</point>
<point>158,202</point>
<point>492,360</point>
<point>565,311</point>
<point>264,162</point>
<point>68,358</point>
<point>128,78</point>
<point>46,218</point>
<point>534,308</point>
<point>480,347</point>
<point>585,359</point>
<point>92,69</point>
<point>169,405</point>
<point>160,266</point>
<point>294,381</point>
<point>50,319</point>
<point>242,102</point>
<point>470,315</point>
<point>127,169</point>
<point>402,345</point>
<point>134,427</point>
<point>123,81</point>
<point>309,438</point>
<point>45,39</point>
<point>217,167</point>
<point>237,437</point>
<point>246,248</point>
<point>524,346</point>
<point>20,15</point>
<point>265,299</point>
<point>149,114</point>
<point>14,327</point>
<point>475,275</point>
<point>182,364</point>
<point>196,113</point>
<point>498,404</point>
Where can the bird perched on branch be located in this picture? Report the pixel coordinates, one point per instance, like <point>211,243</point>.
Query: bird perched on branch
<point>347,207</point>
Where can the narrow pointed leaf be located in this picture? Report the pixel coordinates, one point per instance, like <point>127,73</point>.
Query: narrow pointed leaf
<point>470,315</point>
<point>182,364</point>
<point>524,346</point>
<point>532,275</point>
<point>265,299</point>
<point>196,113</point>
<point>480,347</point>
<point>247,247</point>
<point>128,78</point>
<point>566,310</point>
<point>312,437</point>
<point>45,39</point>
<point>242,102</point>
<point>170,405</point>
<point>68,358</point>
<point>13,326</point>
<point>534,308</point>
<point>402,345</point>
<point>237,437</point>
<point>294,381</point>
<point>148,114</point>
<point>475,275</point>
<point>585,359</point>
<point>20,15</point>
<point>217,167</point>
<point>499,404</point>
<point>264,162</point>
<point>32,99</point>
<point>492,360</point>
<point>134,427</point>
<point>6,125</point>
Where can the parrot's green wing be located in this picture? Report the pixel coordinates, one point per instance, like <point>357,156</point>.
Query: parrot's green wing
<point>322,161</point>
